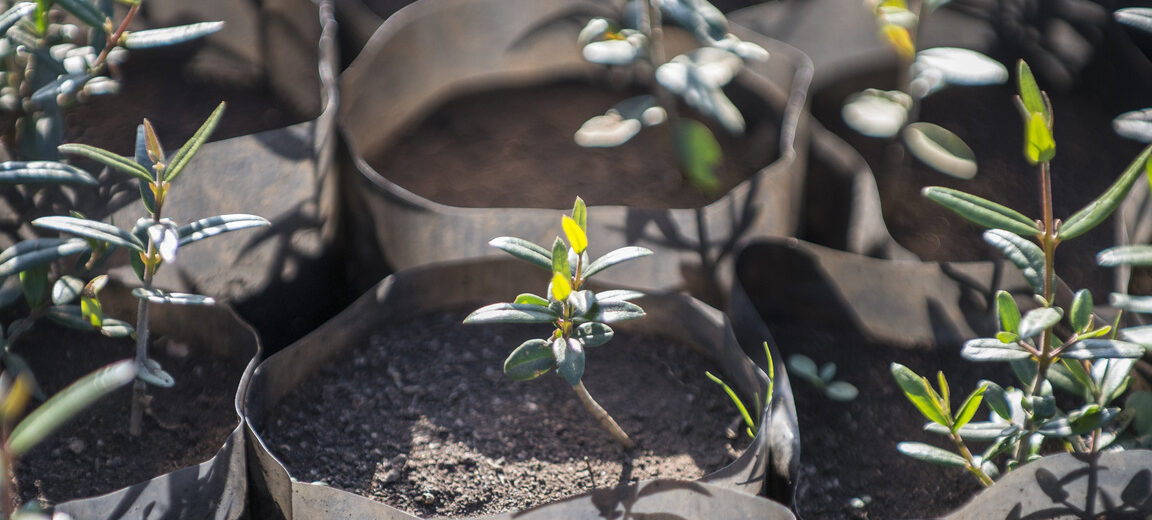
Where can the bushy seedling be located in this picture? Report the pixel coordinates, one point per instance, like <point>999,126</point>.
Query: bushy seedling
<point>697,77</point>
<point>1089,361</point>
<point>581,317</point>
<point>889,113</point>
<point>823,378</point>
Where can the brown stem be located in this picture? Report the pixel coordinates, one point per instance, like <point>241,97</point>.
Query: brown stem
<point>605,420</point>
<point>114,38</point>
<point>976,470</point>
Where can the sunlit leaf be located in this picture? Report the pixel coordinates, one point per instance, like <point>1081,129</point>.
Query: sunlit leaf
<point>1140,304</point>
<point>1038,320</point>
<point>172,298</point>
<point>1135,17</point>
<point>36,252</point>
<point>569,355</point>
<point>1023,253</point>
<point>511,313</point>
<point>1008,311</point>
<point>76,397</point>
<point>992,349</point>
<point>154,375</point>
<point>1080,316</point>
<point>969,407</point>
<point>917,390</point>
<point>734,398</point>
<point>169,35</point>
<point>524,250</point>
<point>900,39</point>
<point>530,360</point>
<point>184,154</point>
<point>622,295</point>
<point>876,113</point>
<point>212,226</point>
<point>1136,125</point>
<point>981,211</point>
<point>91,229</point>
<point>932,454</point>
<point>621,122</point>
<point>593,334</point>
<point>1030,95</point>
<point>1097,348</point>
<point>37,172</point>
<point>1098,210</point>
<point>699,154</point>
<point>941,149</point>
<point>978,431</point>
<point>614,311</point>
<point>615,257</point>
<point>1039,146</point>
<point>1140,255</point>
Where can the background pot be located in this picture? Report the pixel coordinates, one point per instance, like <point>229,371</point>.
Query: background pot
<point>417,291</point>
<point>434,50</point>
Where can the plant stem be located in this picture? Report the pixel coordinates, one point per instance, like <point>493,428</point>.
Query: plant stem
<point>972,466</point>
<point>605,420</point>
<point>1048,243</point>
<point>114,38</point>
<point>139,386</point>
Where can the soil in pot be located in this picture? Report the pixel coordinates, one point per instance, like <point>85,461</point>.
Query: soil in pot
<point>423,419</point>
<point>94,454</point>
<point>1089,157</point>
<point>514,147</point>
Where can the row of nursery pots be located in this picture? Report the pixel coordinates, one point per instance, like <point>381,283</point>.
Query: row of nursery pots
<point>730,252</point>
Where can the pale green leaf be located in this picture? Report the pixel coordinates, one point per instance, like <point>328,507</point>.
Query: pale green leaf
<point>941,149</point>
<point>37,172</point>
<point>512,313</point>
<point>169,35</point>
<point>529,361</point>
<point>615,257</point>
<point>524,250</point>
<point>38,251</point>
<point>992,349</point>
<point>1008,311</point>
<point>212,226</point>
<point>112,160</point>
<point>981,211</point>
<point>699,154</point>
<point>1097,348</point>
<point>76,397</point>
<point>1098,210</point>
<point>184,154</point>
<point>92,229</point>
<point>1140,255</point>
<point>932,454</point>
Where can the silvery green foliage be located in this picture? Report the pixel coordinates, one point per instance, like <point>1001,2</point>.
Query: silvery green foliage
<point>823,378</point>
<point>46,66</point>
<point>1137,124</point>
<point>697,77</point>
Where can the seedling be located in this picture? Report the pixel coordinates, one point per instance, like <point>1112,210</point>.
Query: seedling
<point>1090,362</point>
<point>752,426</point>
<point>696,77</point>
<point>153,241</point>
<point>824,378</point>
<point>888,113</point>
<point>581,317</point>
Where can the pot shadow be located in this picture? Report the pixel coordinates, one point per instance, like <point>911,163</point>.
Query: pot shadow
<point>1135,499</point>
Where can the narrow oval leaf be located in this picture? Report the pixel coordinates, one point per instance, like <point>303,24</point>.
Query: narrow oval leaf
<point>38,172</point>
<point>614,311</point>
<point>1030,92</point>
<point>929,453</point>
<point>615,257</point>
<point>876,113</point>
<point>152,374</point>
<point>570,365</point>
<point>1023,253</point>
<point>612,52</point>
<point>91,229</point>
<point>1039,147</point>
<point>992,349</point>
<point>917,391</point>
<point>511,313</point>
<point>1139,304</point>
<point>1114,378</point>
<point>593,30</point>
<point>114,328</point>
<point>575,234</point>
<point>962,66</point>
<point>530,360</point>
<point>841,391</point>
<point>580,214</point>
<point>980,431</point>
<point>1008,311</point>
<point>1135,17</point>
<point>1136,125</point>
<point>1038,320</point>
<point>560,263</point>
<point>997,400</point>
<point>66,289</point>
<point>593,334</point>
<point>981,211</point>
<point>524,250</point>
<point>828,372</point>
<point>14,14</point>
<point>560,287</point>
<point>968,409</point>
<point>85,11</point>
<point>530,299</point>
<point>212,226</point>
<point>1098,210</point>
<point>620,295</point>
<point>109,159</point>
<point>76,397</point>
<point>1140,255</point>
<point>941,149</point>
<point>184,154</point>
<point>699,154</point>
<point>804,367</point>
<point>1097,348</point>
<point>734,398</point>
<point>37,252</point>
<point>1081,315</point>
<point>169,35</point>
<point>173,298</point>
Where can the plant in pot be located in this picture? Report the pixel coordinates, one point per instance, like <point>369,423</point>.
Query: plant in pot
<point>480,445</point>
<point>1086,357</point>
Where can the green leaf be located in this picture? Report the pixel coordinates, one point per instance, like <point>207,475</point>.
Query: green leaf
<point>1113,377</point>
<point>1098,210</point>
<point>615,257</point>
<point>614,311</point>
<point>530,360</point>
<point>1081,315</point>
<point>109,159</point>
<point>981,211</point>
<point>36,252</point>
<point>512,313</point>
<point>1039,147</point>
<point>621,295</point>
<point>803,367</point>
<point>575,234</point>
<point>699,154</point>
<point>91,229</point>
<point>1023,253</point>
<point>932,454</point>
<point>941,149</point>
<point>76,397</point>
<point>1138,304</point>
<point>841,391</point>
<point>593,334</point>
<point>580,214</point>
<point>184,154</point>
<point>152,374</point>
<point>212,226</point>
<point>828,372</point>
<point>877,113</point>
<point>169,35</point>
<point>968,409</point>
<point>997,400</point>
<point>734,398</point>
<point>560,287</point>
<point>172,298</point>
<point>524,250</point>
<point>530,299</point>
<point>36,172</point>
<point>979,431</point>
<point>1038,320</point>
<point>34,282</point>
<point>918,391</point>
<point>14,14</point>
<point>1076,374</point>
<point>560,260</point>
<point>569,359</point>
<point>66,289</point>
<point>1140,255</point>
<point>1030,93</point>
<point>1008,311</point>
<point>85,11</point>
<point>992,349</point>
<point>1097,348</point>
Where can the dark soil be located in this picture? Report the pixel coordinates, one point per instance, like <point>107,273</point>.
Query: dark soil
<point>515,148</point>
<point>424,420</point>
<point>94,454</point>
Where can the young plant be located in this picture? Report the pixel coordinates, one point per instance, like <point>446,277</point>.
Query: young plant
<point>888,113</point>
<point>696,77</point>
<point>1089,361</point>
<point>152,242</point>
<point>823,378</point>
<point>47,66</point>
<point>752,427</point>
<point>581,317</point>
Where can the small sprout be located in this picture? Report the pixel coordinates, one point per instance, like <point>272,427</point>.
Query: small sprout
<point>752,426</point>
<point>823,378</point>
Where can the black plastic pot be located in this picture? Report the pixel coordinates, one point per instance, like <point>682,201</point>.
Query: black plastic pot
<point>434,50</point>
<point>217,488</point>
<point>766,462</point>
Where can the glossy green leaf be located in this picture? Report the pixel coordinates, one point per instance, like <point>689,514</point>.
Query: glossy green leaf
<point>34,282</point>
<point>877,113</point>
<point>38,172</point>
<point>1098,210</point>
<point>699,154</point>
<point>524,250</point>
<point>184,154</point>
<point>1081,314</point>
<point>917,390</point>
<point>560,264</point>
<point>615,311</point>
<point>14,14</point>
<point>941,149</point>
<point>1140,255</point>
<point>530,299</point>
<point>982,211</point>
<point>512,313</point>
<point>593,334</point>
<point>36,252</point>
<point>1138,304</point>
<point>569,359</point>
<point>1076,373</point>
<point>154,375</point>
<point>621,295</point>
<point>212,226</point>
<point>1036,321</point>
<point>992,349</point>
<point>1039,147</point>
<point>932,454</point>
<point>841,391</point>
<point>76,397</point>
<point>997,400</point>
<point>576,236</point>
<point>83,10</point>
<point>91,229</point>
<point>530,360</point>
<point>580,214</point>
<point>968,409</point>
<point>1112,377</point>
<point>169,35</point>
<point>1023,253</point>
<point>803,366</point>
<point>112,160</point>
<point>623,254</point>
<point>172,298</point>
<point>979,431</point>
<point>1008,311</point>
<point>734,398</point>
<point>582,302</point>
<point>1098,348</point>
<point>1030,94</point>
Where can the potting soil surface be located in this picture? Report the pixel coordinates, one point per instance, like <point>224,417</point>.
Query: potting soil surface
<point>423,419</point>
